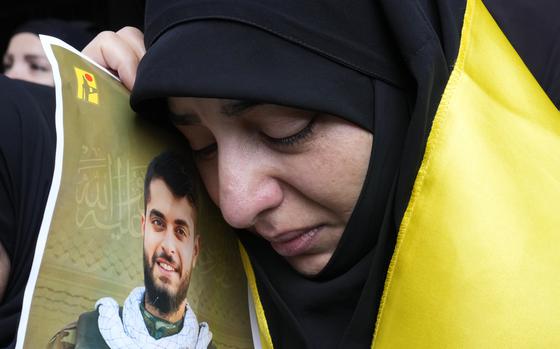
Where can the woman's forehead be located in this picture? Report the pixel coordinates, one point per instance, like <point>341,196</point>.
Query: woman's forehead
<point>230,107</point>
<point>187,110</point>
<point>26,43</point>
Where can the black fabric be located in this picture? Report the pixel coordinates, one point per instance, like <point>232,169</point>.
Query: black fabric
<point>27,147</point>
<point>75,33</point>
<point>533,29</point>
<point>394,58</point>
<point>250,60</point>
<point>352,34</point>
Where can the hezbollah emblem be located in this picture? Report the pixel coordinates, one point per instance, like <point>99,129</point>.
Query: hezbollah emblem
<point>87,87</point>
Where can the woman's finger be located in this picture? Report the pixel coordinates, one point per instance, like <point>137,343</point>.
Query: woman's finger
<point>120,52</point>
<point>134,38</point>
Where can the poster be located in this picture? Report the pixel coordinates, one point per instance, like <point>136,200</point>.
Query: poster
<point>91,243</point>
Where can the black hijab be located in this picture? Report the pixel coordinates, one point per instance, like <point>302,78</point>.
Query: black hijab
<point>75,33</point>
<point>382,65</point>
<point>27,146</point>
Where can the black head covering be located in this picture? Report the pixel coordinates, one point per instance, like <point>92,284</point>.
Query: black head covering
<point>75,33</point>
<point>380,64</point>
<point>27,147</point>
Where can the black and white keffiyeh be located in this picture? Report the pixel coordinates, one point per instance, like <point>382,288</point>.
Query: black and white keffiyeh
<point>131,332</point>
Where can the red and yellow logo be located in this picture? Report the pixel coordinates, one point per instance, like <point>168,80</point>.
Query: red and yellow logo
<point>87,87</point>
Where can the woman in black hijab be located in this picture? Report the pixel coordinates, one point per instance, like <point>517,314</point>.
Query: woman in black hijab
<point>27,147</point>
<point>305,96</point>
<point>24,58</point>
<point>297,82</point>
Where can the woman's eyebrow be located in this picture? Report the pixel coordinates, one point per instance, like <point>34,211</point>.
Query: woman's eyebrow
<point>237,107</point>
<point>184,119</point>
<point>33,57</point>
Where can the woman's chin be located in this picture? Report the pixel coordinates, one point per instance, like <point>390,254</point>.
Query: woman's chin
<point>309,265</point>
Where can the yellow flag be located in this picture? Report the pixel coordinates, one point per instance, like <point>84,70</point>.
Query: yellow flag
<point>477,259</point>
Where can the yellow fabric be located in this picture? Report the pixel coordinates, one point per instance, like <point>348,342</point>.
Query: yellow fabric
<point>266,340</point>
<point>477,261</point>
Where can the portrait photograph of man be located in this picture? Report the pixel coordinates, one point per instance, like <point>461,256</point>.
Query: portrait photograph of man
<point>131,250</point>
<point>158,314</point>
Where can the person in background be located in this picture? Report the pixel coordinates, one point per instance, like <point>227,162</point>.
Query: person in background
<point>25,60</point>
<point>27,149</point>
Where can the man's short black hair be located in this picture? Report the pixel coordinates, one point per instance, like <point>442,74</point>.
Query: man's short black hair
<point>178,173</point>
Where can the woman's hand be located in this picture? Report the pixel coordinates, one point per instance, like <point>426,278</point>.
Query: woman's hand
<point>118,51</point>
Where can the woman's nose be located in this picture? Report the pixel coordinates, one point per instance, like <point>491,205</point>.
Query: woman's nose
<point>247,184</point>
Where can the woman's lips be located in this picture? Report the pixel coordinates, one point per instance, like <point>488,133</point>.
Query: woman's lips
<point>295,243</point>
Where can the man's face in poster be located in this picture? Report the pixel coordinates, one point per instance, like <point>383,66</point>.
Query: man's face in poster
<point>170,247</point>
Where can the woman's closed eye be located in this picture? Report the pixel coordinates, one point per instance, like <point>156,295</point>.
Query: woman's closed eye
<point>205,153</point>
<point>38,67</point>
<point>301,135</point>
<point>294,138</point>
<point>271,137</point>
<point>37,64</point>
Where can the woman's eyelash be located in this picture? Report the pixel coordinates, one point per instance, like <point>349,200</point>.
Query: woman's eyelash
<point>38,67</point>
<point>296,137</point>
<point>205,152</point>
